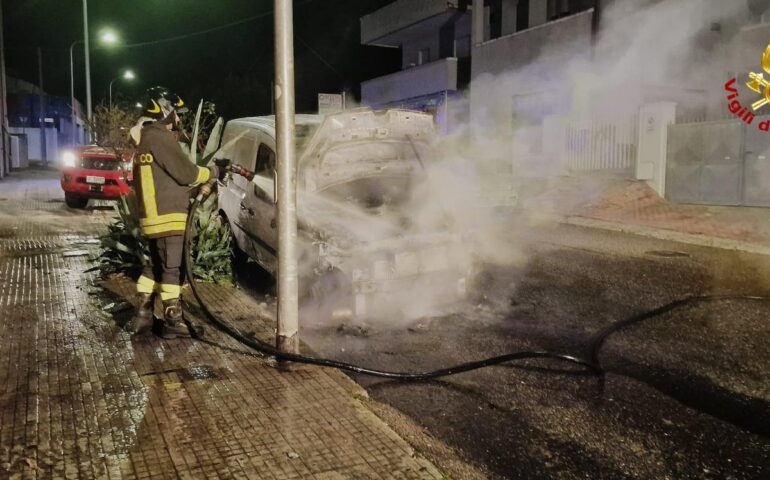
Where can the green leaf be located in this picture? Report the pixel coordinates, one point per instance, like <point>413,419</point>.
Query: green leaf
<point>193,152</point>
<point>213,142</point>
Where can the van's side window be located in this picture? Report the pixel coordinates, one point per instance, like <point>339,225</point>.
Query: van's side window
<point>265,161</point>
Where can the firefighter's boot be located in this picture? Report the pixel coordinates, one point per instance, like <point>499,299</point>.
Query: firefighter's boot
<point>143,319</point>
<point>174,325</point>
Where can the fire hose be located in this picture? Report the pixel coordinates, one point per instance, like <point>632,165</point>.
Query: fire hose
<point>267,349</point>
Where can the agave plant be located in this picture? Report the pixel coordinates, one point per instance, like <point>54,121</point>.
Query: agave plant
<point>203,128</point>
<point>211,246</point>
<point>124,248</point>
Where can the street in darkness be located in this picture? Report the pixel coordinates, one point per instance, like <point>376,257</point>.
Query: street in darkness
<point>684,395</point>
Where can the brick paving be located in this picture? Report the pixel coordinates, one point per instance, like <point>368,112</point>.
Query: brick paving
<point>79,399</point>
<point>629,202</point>
<point>636,203</point>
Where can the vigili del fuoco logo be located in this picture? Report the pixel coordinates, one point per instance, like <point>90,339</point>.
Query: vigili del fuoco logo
<point>757,83</point>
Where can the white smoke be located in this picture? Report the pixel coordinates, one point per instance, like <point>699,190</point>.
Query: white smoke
<point>645,51</point>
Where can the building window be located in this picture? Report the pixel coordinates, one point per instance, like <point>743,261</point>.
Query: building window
<point>423,56</point>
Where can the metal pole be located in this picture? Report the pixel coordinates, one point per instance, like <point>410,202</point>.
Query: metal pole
<point>111,82</point>
<point>88,60</point>
<point>272,97</point>
<point>5,165</point>
<point>73,120</point>
<point>43,137</point>
<point>288,305</point>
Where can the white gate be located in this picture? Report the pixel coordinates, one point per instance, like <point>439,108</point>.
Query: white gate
<point>597,145</point>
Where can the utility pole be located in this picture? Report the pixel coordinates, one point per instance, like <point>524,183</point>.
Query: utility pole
<point>41,103</point>
<point>5,164</point>
<point>88,60</point>
<point>288,289</point>
<point>73,119</point>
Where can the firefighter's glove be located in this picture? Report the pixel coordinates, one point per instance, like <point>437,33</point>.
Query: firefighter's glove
<point>216,173</point>
<point>206,188</point>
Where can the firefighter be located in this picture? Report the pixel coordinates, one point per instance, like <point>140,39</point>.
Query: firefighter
<point>163,177</point>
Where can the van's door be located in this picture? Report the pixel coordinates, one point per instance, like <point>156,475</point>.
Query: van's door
<point>232,195</point>
<point>258,212</point>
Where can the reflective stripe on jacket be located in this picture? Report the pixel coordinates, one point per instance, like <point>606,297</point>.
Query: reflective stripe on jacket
<point>163,175</point>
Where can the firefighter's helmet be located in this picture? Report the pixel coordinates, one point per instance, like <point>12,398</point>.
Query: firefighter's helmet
<point>160,102</point>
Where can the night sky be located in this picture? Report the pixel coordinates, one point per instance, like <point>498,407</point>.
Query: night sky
<point>232,67</point>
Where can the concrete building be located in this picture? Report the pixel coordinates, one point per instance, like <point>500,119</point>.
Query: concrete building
<point>39,124</point>
<point>435,40</point>
<point>560,87</point>
<point>593,85</point>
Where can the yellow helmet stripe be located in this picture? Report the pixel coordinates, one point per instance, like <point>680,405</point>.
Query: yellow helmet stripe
<point>155,109</point>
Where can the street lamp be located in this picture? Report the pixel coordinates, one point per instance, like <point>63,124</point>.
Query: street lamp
<point>127,75</point>
<point>107,37</point>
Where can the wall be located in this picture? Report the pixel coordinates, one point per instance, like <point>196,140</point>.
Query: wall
<point>562,38</point>
<point>399,15</point>
<point>32,138</point>
<point>517,65</point>
<point>441,44</point>
<point>426,79</point>
<point>412,46</point>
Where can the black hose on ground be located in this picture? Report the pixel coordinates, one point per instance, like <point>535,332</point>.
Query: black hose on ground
<point>270,350</point>
<point>598,340</point>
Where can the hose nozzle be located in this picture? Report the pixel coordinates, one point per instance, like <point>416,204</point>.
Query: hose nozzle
<point>239,170</point>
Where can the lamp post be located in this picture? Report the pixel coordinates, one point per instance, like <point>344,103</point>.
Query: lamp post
<point>86,50</point>
<point>72,89</point>
<point>288,305</point>
<point>127,75</point>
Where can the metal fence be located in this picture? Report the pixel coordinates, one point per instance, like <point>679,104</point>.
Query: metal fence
<point>718,163</point>
<point>595,145</point>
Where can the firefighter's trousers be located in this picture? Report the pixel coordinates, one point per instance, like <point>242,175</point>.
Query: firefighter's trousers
<point>164,273</point>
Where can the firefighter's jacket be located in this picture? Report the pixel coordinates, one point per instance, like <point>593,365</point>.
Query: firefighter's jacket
<point>163,175</point>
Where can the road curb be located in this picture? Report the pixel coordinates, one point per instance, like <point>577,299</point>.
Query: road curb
<point>670,235</point>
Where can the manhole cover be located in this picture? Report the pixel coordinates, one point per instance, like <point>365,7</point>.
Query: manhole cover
<point>667,253</point>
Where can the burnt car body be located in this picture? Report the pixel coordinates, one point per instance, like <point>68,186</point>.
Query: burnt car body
<point>358,244</point>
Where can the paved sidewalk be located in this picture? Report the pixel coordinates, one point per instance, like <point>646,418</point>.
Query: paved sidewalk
<point>79,399</point>
<point>633,207</point>
<point>637,204</point>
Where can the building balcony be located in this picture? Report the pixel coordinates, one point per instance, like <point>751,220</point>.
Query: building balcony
<point>403,19</point>
<point>427,79</point>
<point>563,40</point>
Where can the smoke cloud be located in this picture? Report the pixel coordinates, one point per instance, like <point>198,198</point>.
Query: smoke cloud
<point>645,51</point>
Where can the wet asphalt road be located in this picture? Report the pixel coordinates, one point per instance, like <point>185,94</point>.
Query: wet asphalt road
<point>686,394</point>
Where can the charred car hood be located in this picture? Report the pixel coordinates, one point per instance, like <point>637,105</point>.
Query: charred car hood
<point>362,143</point>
